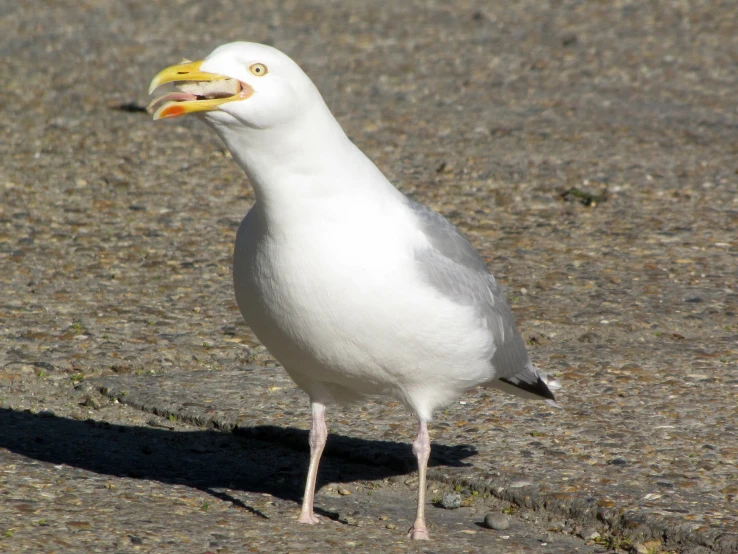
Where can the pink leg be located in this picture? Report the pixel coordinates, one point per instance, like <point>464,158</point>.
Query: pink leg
<point>318,436</point>
<point>421,449</point>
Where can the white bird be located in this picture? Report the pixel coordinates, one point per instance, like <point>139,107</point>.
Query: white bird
<point>354,288</point>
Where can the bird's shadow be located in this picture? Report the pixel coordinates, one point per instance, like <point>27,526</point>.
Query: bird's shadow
<point>261,459</point>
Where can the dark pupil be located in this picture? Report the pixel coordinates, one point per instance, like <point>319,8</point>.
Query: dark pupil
<point>257,69</point>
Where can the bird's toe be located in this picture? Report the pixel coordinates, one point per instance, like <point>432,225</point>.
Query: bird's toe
<point>418,533</point>
<point>308,519</point>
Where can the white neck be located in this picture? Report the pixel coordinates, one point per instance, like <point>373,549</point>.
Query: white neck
<point>307,159</point>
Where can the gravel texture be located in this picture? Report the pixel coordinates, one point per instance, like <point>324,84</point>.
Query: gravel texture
<point>588,149</point>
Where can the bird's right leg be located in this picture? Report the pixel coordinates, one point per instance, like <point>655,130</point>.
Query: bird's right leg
<point>318,436</point>
<point>421,449</point>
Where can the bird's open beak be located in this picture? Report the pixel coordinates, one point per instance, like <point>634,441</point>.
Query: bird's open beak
<point>199,91</point>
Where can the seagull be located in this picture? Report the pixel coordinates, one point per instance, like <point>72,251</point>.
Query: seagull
<point>354,288</point>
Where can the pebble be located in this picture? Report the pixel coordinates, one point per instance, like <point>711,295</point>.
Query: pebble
<point>90,402</point>
<point>520,483</point>
<point>498,522</point>
<point>648,546</point>
<point>451,500</point>
<point>589,534</point>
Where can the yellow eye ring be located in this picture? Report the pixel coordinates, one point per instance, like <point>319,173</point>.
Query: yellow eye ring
<point>259,69</point>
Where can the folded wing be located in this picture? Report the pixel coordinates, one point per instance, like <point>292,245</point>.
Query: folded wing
<point>453,267</point>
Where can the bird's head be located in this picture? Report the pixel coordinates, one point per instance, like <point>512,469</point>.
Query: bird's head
<point>238,83</point>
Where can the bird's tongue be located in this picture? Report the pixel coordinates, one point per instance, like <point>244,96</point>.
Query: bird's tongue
<point>174,96</point>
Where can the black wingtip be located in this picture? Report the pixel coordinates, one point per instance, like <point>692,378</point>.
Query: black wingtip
<point>539,388</point>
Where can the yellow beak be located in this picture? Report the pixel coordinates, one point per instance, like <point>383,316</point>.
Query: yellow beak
<point>182,103</point>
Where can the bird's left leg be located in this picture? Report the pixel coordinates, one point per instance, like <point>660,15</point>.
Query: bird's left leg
<point>318,436</point>
<point>421,449</point>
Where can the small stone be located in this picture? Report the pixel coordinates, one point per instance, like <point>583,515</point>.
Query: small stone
<point>451,500</point>
<point>589,337</point>
<point>498,522</point>
<point>555,526</point>
<point>69,499</point>
<point>343,491</point>
<point>589,534</point>
<point>520,483</point>
<point>391,526</point>
<point>569,40</point>
<point>27,508</point>
<point>617,462</point>
<point>90,402</point>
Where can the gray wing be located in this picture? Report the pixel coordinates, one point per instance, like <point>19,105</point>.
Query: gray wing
<point>455,269</point>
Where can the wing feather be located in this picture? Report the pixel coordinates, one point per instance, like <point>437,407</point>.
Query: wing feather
<point>454,268</point>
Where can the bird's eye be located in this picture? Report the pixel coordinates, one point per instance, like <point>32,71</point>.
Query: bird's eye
<point>259,69</point>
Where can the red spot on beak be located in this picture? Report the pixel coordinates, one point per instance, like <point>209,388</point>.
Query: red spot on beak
<point>172,111</point>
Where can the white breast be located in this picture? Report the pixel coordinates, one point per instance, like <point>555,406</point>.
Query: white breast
<point>339,301</point>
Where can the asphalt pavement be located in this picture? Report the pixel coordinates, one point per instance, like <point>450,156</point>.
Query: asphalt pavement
<point>587,149</point>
